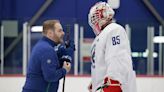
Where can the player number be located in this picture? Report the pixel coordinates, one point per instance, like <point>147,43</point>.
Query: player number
<point>116,40</point>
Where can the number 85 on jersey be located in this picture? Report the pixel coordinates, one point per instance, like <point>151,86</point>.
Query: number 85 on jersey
<point>116,40</point>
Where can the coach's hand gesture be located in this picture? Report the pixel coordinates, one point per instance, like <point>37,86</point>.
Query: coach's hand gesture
<point>67,66</point>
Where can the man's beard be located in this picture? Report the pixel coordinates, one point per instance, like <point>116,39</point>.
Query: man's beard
<point>61,40</point>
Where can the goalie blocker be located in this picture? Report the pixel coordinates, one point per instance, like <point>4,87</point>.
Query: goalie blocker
<point>108,86</point>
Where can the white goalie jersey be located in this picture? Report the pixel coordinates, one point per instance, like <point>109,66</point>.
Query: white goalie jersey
<point>111,57</point>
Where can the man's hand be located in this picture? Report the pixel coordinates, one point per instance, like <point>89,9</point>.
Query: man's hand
<point>64,58</point>
<point>66,49</point>
<point>67,66</point>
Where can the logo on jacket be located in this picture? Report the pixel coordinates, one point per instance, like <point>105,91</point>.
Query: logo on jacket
<point>48,61</point>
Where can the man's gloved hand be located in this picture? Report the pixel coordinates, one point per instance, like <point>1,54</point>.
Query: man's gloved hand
<point>66,49</point>
<point>70,44</point>
<point>65,58</point>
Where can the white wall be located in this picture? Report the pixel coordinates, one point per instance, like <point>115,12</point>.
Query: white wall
<point>79,84</point>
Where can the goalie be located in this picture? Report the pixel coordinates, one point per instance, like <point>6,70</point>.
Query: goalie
<point>111,68</point>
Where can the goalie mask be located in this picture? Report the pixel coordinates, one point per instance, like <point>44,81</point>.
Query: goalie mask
<point>98,15</point>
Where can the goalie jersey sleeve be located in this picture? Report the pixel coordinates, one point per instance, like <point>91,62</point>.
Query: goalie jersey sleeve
<point>111,57</point>
<point>117,54</point>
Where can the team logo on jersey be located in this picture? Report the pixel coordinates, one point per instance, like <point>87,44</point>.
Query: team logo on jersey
<point>49,61</point>
<point>93,56</point>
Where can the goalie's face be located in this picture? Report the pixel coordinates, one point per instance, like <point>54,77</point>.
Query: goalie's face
<point>99,15</point>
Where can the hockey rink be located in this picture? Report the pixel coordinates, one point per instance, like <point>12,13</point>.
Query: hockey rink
<point>140,26</point>
<point>80,83</point>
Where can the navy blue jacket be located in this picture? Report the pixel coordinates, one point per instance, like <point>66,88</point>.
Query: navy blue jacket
<point>44,71</point>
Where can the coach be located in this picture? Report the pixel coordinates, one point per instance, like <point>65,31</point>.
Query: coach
<point>44,69</point>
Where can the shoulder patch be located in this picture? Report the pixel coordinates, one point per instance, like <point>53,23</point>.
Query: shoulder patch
<point>49,61</point>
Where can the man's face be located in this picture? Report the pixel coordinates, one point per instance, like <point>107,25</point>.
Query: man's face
<point>58,33</point>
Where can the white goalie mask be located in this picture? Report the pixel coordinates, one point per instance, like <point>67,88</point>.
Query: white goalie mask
<point>98,15</point>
